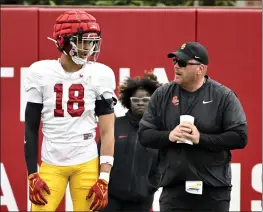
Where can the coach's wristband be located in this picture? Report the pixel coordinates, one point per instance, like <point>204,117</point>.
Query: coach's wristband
<point>105,176</point>
<point>106,160</point>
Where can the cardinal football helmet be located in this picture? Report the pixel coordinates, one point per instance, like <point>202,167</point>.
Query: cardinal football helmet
<point>77,33</point>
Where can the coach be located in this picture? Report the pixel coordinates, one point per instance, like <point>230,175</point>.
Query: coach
<point>195,122</point>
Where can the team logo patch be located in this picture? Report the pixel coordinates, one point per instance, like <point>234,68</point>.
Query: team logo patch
<point>175,101</point>
<point>183,46</point>
<point>88,136</point>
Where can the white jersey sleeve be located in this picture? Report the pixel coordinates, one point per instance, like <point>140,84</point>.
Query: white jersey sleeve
<point>32,84</point>
<point>34,96</point>
<point>105,84</point>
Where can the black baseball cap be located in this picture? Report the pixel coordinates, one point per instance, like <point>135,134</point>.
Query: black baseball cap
<point>191,50</point>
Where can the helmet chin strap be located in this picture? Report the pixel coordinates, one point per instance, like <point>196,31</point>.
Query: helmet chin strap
<point>74,55</point>
<point>78,60</point>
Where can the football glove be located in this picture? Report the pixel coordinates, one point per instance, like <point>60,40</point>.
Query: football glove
<point>100,191</point>
<point>36,187</point>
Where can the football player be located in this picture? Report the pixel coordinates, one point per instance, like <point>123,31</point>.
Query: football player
<point>69,95</point>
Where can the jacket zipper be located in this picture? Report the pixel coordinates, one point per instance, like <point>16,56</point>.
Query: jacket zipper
<point>133,161</point>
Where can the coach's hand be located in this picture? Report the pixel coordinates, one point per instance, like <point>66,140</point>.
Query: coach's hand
<point>100,191</point>
<point>176,134</point>
<point>190,132</point>
<point>36,187</point>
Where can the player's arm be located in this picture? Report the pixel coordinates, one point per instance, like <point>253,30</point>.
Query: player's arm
<point>106,125</point>
<point>105,111</point>
<point>32,116</point>
<point>32,121</point>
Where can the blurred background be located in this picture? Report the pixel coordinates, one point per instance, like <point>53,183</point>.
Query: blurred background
<point>136,36</point>
<point>159,3</point>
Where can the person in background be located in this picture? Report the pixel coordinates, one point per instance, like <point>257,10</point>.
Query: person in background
<point>134,176</point>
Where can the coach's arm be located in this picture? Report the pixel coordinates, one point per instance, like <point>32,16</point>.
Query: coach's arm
<point>235,130</point>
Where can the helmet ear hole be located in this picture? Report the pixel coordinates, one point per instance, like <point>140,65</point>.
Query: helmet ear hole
<point>67,48</point>
<point>60,44</point>
<point>65,40</point>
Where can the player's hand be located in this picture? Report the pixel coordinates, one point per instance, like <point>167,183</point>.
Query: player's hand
<point>190,132</point>
<point>176,134</point>
<point>100,192</point>
<point>36,187</point>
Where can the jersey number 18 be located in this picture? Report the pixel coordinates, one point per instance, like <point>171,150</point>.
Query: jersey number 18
<point>72,98</point>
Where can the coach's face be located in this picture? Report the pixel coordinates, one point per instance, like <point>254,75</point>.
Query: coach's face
<point>186,72</point>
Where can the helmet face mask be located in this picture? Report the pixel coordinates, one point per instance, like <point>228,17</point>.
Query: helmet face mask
<point>84,47</point>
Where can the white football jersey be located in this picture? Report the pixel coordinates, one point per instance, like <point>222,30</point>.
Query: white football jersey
<point>68,114</point>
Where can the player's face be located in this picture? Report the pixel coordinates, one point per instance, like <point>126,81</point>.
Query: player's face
<point>87,44</point>
<point>84,48</point>
<point>185,72</point>
<point>139,102</point>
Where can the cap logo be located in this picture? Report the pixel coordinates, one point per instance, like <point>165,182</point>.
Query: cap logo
<point>183,46</point>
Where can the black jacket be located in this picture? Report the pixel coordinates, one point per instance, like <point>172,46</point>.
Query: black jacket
<point>221,121</point>
<point>134,175</point>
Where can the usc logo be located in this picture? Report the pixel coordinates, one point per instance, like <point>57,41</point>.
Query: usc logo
<point>175,101</point>
<point>183,46</point>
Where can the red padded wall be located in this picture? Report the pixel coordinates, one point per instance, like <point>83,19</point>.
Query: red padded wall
<point>19,48</point>
<point>234,39</point>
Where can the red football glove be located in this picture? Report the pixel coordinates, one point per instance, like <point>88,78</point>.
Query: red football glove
<point>100,191</point>
<point>36,185</point>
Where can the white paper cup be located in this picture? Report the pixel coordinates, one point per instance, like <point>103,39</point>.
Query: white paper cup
<point>187,118</point>
<point>190,119</point>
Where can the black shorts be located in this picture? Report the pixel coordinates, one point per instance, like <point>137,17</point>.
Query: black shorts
<point>212,199</point>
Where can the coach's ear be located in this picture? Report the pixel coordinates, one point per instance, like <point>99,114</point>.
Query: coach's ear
<point>199,71</point>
